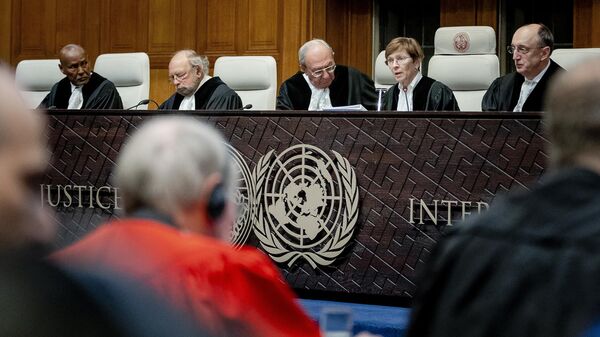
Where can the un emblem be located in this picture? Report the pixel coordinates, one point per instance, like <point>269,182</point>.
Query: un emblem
<point>245,189</point>
<point>307,205</point>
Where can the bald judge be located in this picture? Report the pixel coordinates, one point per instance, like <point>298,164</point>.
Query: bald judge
<point>81,88</point>
<point>195,90</point>
<point>323,84</point>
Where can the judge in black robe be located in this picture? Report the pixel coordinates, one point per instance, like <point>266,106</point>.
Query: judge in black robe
<point>349,87</point>
<point>503,93</point>
<point>96,91</point>
<point>404,57</point>
<point>213,94</point>
<point>428,95</point>
<point>531,48</point>
<point>195,90</point>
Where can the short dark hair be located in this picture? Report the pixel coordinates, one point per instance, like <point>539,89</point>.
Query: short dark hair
<point>546,37</point>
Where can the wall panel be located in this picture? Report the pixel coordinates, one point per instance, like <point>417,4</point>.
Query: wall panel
<point>124,26</point>
<point>34,29</point>
<point>5,30</point>
<point>586,24</point>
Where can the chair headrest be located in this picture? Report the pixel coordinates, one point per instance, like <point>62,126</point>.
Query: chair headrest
<point>465,40</point>
<point>123,69</point>
<point>383,75</point>
<point>470,72</point>
<point>247,72</point>
<point>569,58</point>
<point>38,75</point>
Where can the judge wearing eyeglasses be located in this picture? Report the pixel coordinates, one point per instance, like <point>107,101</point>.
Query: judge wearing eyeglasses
<point>414,91</point>
<point>524,89</point>
<point>195,89</point>
<point>322,84</point>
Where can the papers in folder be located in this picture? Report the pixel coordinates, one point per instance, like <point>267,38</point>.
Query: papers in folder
<point>355,107</point>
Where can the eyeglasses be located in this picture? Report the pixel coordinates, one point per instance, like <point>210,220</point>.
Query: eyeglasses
<point>397,60</point>
<point>520,49</point>
<point>321,72</point>
<point>180,77</point>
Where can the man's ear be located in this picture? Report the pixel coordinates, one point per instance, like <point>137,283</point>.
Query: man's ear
<point>62,69</point>
<point>302,68</point>
<point>546,53</point>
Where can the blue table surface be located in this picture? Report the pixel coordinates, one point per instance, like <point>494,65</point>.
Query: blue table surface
<point>377,319</point>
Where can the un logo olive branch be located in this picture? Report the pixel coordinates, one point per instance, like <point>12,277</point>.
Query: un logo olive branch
<point>305,205</point>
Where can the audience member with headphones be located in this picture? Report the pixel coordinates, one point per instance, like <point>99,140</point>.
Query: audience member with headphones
<point>176,183</point>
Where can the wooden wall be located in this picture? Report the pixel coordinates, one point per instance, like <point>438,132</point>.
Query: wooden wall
<point>469,13</point>
<point>586,23</point>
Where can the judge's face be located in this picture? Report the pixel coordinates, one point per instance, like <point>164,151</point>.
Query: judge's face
<point>529,57</point>
<point>74,64</point>
<point>319,66</point>
<point>184,76</point>
<point>403,67</point>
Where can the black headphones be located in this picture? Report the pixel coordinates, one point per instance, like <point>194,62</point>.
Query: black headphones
<point>218,198</point>
<point>216,202</point>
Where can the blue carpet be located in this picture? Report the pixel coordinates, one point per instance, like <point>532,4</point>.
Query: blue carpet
<point>377,319</point>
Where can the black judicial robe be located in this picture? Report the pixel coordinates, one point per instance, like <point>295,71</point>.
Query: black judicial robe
<point>98,93</point>
<point>214,94</point>
<point>429,95</point>
<point>503,93</point>
<point>528,266</point>
<point>349,87</point>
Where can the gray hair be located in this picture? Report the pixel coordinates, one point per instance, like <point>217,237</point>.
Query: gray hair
<point>163,166</point>
<point>309,45</point>
<point>195,59</point>
<point>573,114</point>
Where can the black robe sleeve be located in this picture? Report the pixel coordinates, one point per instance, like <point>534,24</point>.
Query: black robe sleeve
<point>224,98</point>
<point>490,101</point>
<point>441,98</point>
<point>283,99</point>
<point>361,90</point>
<point>105,96</point>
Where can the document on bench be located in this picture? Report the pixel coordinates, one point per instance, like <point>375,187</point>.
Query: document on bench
<point>355,107</point>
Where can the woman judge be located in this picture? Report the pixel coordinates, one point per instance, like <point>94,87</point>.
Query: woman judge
<point>414,91</point>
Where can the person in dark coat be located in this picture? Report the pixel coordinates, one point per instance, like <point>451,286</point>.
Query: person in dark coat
<point>524,89</point>
<point>414,91</point>
<point>323,84</point>
<point>81,88</point>
<point>530,265</point>
<point>195,90</point>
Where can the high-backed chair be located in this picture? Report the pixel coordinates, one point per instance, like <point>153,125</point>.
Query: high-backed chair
<point>130,72</point>
<point>568,58</point>
<point>465,60</point>
<point>254,78</point>
<point>383,78</point>
<point>36,78</point>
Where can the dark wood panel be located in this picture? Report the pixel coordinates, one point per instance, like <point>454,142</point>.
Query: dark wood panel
<point>263,30</point>
<point>5,30</point>
<point>468,13</point>
<point>217,26</point>
<point>124,26</point>
<point>586,24</point>
<point>34,29</point>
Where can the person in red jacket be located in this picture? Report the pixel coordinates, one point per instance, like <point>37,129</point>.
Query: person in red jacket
<point>177,183</point>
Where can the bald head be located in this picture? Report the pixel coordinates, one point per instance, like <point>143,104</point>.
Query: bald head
<point>573,116</point>
<point>74,64</point>
<point>22,157</point>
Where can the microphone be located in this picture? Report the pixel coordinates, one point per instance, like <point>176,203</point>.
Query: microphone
<point>246,107</point>
<point>143,102</point>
